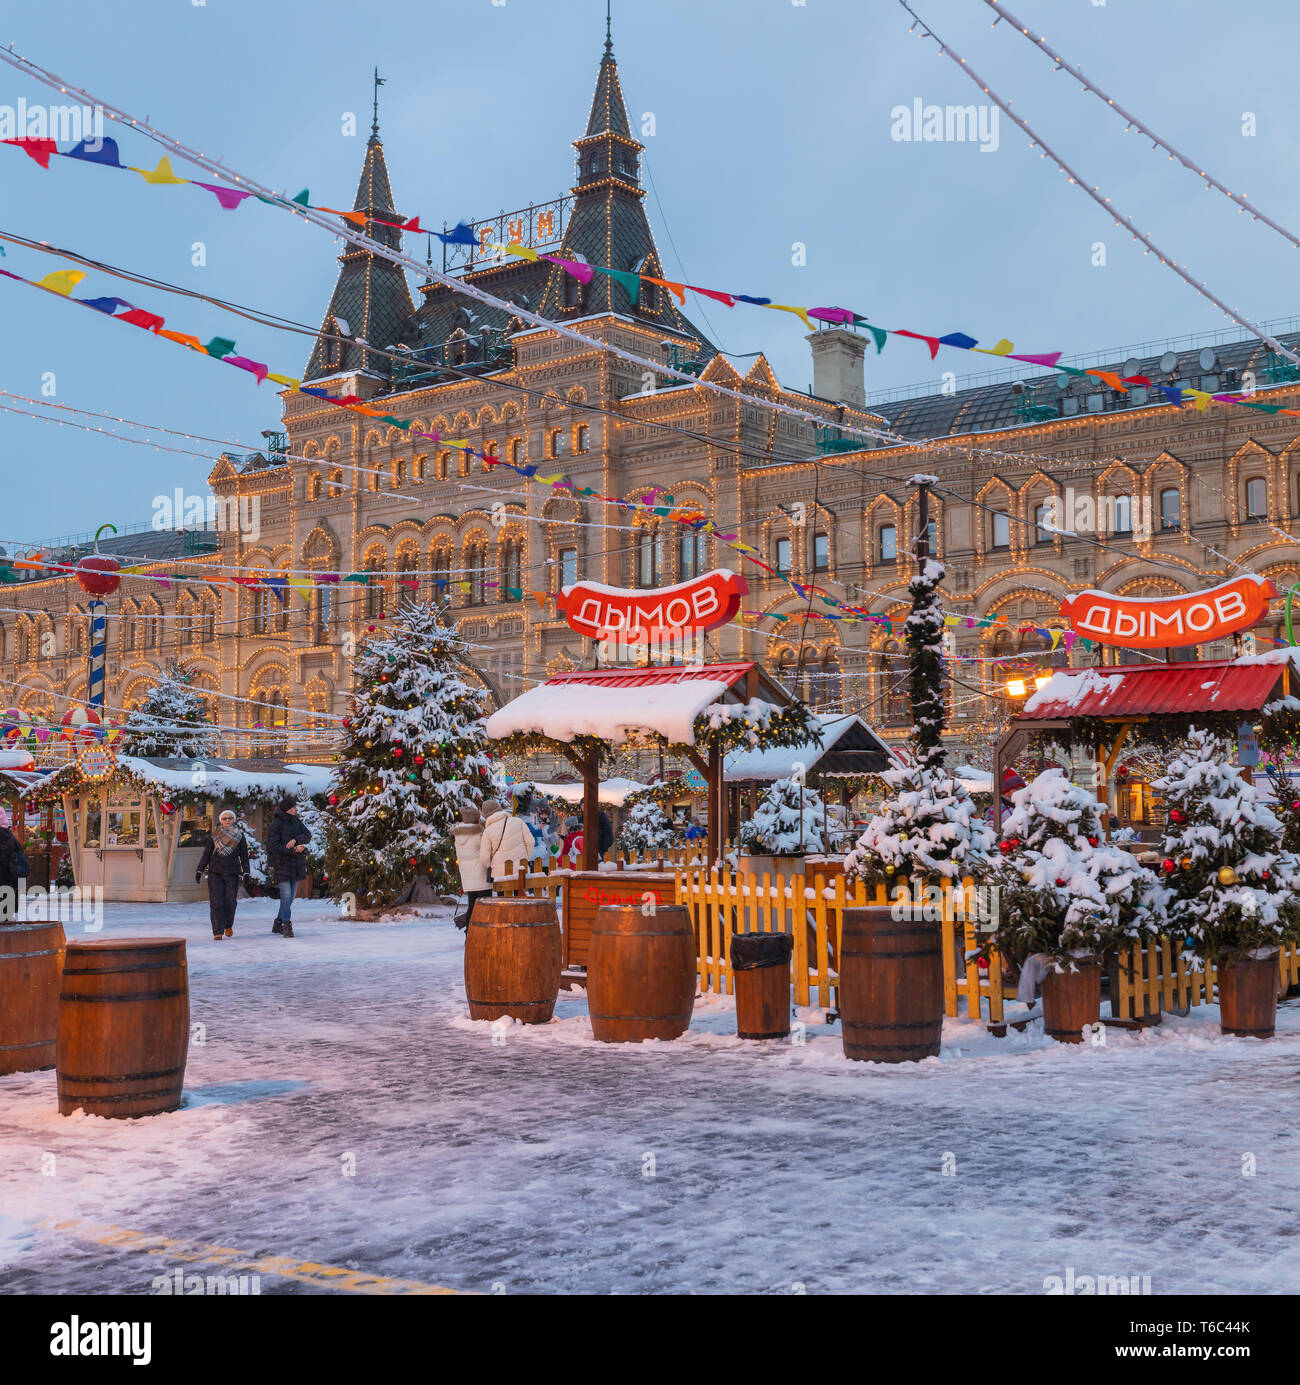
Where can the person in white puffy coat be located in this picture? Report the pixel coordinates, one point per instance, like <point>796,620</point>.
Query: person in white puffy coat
<point>506,843</point>
<point>474,883</point>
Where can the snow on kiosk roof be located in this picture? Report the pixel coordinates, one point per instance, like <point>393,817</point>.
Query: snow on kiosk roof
<point>621,704</point>
<point>1221,685</point>
<point>583,712</point>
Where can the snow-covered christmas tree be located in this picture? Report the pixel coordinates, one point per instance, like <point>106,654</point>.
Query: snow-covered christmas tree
<point>1232,886</point>
<point>171,721</point>
<point>787,822</point>
<point>1063,890</point>
<point>413,753</point>
<point>646,828</point>
<point>929,827</point>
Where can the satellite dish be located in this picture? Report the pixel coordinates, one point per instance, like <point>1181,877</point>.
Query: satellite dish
<point>1207,359</point>
<point>1017,387</point>
<point>1063,382</point>
<point>1131,367</point>
<point>1169,361</point>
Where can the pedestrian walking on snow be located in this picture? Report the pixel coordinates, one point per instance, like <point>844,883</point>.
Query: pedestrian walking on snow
<point>286,852</point>
<point>225,858</point>
<point>474,882</point>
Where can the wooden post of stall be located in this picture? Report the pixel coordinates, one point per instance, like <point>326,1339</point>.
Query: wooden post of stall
<point>591,811</point>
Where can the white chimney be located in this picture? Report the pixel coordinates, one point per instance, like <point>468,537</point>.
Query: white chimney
<point>838,370</point>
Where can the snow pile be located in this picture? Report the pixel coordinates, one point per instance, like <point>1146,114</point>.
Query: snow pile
<point>788,822</point>
<point>1067,688</point>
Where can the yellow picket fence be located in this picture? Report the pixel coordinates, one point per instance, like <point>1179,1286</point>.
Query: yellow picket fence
<point>811,911</point>
<point>1151,978</point>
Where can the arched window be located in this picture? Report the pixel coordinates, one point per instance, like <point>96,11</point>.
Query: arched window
<point>399,473</point>
<point>476,561</point>
<point>511,570</point>
<point>887,544</point>
<point>514,451</point>
<point>374,592</point>
<point>1171,508</point>
<point>261,611</point>
<point>556,442</point>
<point>440,565</point>
<point>892,690</point>
<point>692,560</point>
<point>649,558</point>
<point>372,478</point>
<point>314,485</point>
<point>580,435</point>
<point>444,465</point>
<point>209,623</point>
<point>829,682</point>
<point>1256,498</point>
<point>408,585</point>
<point>335,482</point>
<point>419,467</point>
<point>491,454</point>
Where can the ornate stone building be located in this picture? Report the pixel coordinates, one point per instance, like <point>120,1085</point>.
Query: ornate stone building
<point>338,494</point>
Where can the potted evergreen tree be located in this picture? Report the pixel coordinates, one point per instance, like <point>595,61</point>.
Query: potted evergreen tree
<point>785,827</point>
<point>1232,884</point>
<point>646,828</point>
<point>1066,900</point>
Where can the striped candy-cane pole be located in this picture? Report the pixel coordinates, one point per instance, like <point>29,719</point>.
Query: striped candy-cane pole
<point>98,652</point>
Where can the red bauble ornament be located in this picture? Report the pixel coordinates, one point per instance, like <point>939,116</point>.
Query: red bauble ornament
<point>1061,884</point>
<point>334,798</point>
<point>1176,815</point>
<point>347,721</point>
<point>97,575</point>
<point>1092,841</point>
<point>1266,875</point>
<point>1168,865</point>
<point>414,862</point>
<point>397,752</point>
<point>1123,771</point>
<point>1295,804</point>
<point>419,759</point>
<point>1005,848</point>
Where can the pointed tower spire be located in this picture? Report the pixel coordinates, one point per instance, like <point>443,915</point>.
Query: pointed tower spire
<point>608,224</point>
<point>371,299</point>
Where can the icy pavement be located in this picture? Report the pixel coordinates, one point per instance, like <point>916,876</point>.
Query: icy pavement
<point>342,1114</point>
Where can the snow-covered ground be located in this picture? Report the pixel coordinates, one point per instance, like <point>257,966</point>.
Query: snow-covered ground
<point>342,1114</point>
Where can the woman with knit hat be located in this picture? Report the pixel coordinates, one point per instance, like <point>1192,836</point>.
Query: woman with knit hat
<point>225,858</point>
<point>474,882</point>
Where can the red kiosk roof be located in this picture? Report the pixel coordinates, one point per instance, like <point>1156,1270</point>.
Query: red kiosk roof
<point>1218,685</point>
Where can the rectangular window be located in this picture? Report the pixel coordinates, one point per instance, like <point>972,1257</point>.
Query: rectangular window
<point>821,552</point>
<point>783,555</point>
<point>568,566</point>
<point>1123,514</point>
<point>94,820</point>
<point>1170,509</point>
<point>1001,530</point>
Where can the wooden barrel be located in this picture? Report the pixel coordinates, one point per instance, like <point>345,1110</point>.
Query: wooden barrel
<point>1248,996</point>
<point>760,967</point>
<point>124,1027</point>
<point>641,973</point>
<point>31,958</point>
<point>1071,999</point>
<point>891,986</point>
<point>512,960</point>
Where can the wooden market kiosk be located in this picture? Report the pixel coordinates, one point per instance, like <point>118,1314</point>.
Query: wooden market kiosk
<point>137,827</point>
<point>699,712</point>
<point>1102,708</point>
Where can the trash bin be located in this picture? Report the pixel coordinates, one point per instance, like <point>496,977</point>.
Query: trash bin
<point>760,964</point>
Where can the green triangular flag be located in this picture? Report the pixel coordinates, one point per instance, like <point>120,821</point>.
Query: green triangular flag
<point>219,346</point>
<point>631,282</point>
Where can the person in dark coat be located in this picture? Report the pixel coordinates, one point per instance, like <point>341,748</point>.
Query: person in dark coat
<point>225,858</point>
<point>13,870</point>
<point>605,834</point>
<point>286,851</point>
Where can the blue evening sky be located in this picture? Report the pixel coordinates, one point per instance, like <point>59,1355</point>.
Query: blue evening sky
<point>773,127</point>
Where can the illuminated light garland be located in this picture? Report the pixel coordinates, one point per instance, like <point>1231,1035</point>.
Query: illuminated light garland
<point>1105,204</point>
<point>1132,122</point>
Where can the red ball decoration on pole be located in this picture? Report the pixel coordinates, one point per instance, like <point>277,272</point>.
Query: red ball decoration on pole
<point>1168,865</point>
<point>97,575</point>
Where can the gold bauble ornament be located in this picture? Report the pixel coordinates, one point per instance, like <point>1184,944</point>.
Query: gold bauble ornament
<point>1186,863</point>
<point>1227,876</point>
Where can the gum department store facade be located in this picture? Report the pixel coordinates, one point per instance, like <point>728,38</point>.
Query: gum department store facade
<point>353,497</point>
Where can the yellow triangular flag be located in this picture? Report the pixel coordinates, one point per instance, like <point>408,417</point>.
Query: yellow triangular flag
<point>514,248</point>
<point>1003,348</point>
<point>289,381</point>
<point>801,312</point>
<point>61,281</point>
<point>1203,397</point>
<point>162,174</point>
